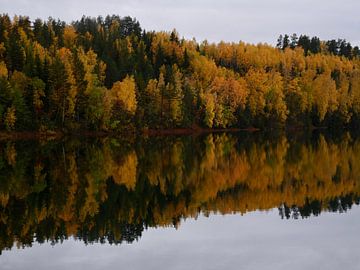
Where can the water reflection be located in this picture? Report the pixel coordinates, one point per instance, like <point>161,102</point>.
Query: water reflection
<point>108,190</point>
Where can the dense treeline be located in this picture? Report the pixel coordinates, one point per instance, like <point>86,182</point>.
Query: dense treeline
<point>313,45</point>
<point>111,75</point>
<point>110,190</point>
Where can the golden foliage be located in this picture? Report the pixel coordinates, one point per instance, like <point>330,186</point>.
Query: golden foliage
<point>124,92</point>
<point>125,173</point>
<point>69,36</point>
<point>3,70</point>
<point>10,118</point>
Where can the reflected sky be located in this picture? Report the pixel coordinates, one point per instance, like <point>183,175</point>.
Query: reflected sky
<point>258,240</point>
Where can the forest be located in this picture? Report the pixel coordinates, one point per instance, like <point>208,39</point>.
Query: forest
<point>108,74</point>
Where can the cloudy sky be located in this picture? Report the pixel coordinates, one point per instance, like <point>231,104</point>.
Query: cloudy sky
<point>229,20</point>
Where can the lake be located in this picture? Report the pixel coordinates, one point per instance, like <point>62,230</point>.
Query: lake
<point>205,201</point>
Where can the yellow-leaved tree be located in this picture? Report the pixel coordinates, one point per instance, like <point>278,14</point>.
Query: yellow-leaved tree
<point>10,118</point>
<point>124,101</point>
<point>124,92</point>
<point>69,36</point>
<point>3,70</point>
<point>324,94</point>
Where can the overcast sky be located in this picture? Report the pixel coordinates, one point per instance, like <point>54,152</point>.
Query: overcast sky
<point>229,20</point>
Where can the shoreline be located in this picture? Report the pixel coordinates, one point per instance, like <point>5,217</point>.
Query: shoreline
<point>56,135</point>
<point>50,135</point>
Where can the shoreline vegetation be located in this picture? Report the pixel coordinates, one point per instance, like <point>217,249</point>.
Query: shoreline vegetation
<point>21,135</point>
<point>105,76</point>
<point>55,135</point>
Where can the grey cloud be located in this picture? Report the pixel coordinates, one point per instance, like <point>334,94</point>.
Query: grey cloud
<point>230,20</point>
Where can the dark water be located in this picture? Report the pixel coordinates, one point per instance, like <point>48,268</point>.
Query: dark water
<point>220,201</point>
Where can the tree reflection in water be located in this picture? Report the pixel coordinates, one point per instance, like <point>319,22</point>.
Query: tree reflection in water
<point>110,190</point>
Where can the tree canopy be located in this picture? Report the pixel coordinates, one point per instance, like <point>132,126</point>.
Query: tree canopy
<point>109,74</point>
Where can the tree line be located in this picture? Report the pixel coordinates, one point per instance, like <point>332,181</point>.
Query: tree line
<point>108,74</point>
<point>314,45</point>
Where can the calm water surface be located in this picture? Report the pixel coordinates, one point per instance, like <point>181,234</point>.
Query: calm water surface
<point>220,201</point>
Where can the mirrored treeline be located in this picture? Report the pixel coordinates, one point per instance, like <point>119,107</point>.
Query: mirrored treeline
<point>110,190</point>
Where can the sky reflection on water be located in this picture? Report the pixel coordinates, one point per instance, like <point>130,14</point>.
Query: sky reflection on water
<point>257,240</point>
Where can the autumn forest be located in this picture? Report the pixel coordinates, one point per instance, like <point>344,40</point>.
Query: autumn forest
<point>108,74</point>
